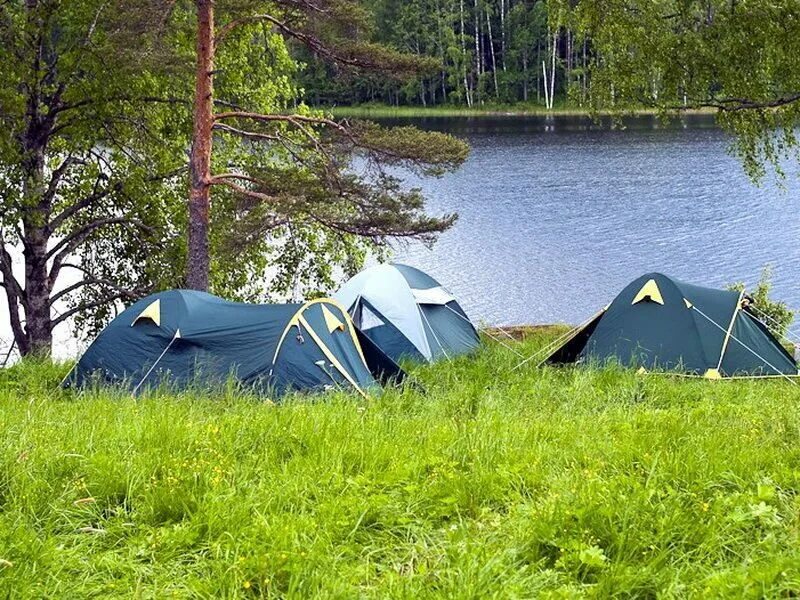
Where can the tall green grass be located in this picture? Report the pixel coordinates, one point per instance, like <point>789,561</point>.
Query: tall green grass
<point>491,483</point>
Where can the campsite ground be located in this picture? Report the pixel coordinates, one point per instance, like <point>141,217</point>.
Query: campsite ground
<point>557,483</point>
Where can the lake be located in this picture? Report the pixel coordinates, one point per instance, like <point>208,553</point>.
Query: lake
<point>558,214</point>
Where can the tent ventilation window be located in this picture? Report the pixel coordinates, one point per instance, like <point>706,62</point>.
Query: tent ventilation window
<point>369,320</point>
<point>649,292</point>
<point>151,313</point>
<point>332,322</point>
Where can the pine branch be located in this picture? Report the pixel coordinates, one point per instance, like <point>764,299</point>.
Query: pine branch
<point>244,191</point>
<point>245,134</point>
<point>343,51</point>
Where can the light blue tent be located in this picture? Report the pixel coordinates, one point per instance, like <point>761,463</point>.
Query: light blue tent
<point>407,313</point>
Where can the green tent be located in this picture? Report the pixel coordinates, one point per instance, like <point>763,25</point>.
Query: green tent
<point>184,337</point>
<point>660,323</point>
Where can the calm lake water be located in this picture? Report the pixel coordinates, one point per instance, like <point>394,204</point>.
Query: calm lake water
<point>557,215</point>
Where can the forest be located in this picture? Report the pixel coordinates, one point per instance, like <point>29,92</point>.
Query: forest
<point>722,56</point>
<point>484,52</point>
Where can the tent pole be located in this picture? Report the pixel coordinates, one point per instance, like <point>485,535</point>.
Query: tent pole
<point>729,331</point>
<point>160,356</point>
<point>746,347</point>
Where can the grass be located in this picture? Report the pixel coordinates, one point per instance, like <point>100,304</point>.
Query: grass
<point>512,110</point>
<point>537,483</point>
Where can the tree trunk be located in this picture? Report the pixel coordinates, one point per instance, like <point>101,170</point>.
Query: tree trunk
<point>538,60</point>
<point>478,55</point>
<point>553,69</point>
<point>38,338</point>
<point>198,262</point>
<point>467,91</point>
<point>494,60</point>
<point>583,74</point>
<point>503,31</point>
<point>546,94</point>
<point>525,76</point>
<point>38,325</point>
<point>442,56</point>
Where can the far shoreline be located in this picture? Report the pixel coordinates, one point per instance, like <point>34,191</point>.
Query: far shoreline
<point>386,111</point>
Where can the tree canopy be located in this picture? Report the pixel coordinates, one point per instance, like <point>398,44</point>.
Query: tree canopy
<point>734,56</point>
<point>291,167</point>
<point>87,159</point>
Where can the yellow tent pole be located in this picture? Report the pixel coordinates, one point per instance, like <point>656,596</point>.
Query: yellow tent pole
<point>330,356</point>
<point>293,322</point>
<point>729,331</point>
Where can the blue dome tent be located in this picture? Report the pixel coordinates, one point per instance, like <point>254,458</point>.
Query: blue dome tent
<point>407,313</point>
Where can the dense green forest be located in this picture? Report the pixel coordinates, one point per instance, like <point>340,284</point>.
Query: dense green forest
<point>486,51</point>
<point>735,58</point>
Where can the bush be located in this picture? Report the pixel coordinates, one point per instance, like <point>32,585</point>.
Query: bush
<point>775,314</point>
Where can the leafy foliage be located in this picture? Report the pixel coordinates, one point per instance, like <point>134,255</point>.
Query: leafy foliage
<point>88,158</point>
<point>736,57</point>
<point>776,315</point>
<point>93,157</point>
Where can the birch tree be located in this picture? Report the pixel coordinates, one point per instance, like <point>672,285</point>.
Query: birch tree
<point>737,58</point>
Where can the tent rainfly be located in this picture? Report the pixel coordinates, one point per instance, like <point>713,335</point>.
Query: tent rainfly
<point>659,323</point>
<point>407,313</point>
<point>184,338</point>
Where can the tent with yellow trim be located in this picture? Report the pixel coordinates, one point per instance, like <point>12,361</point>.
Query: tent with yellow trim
<point>660,323</point>
<point>183,338</point>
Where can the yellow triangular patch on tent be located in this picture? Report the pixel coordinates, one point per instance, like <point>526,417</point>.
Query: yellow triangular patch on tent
<point>688,304</point>
<point>641,371</point>
<point>152,312</point>
<point>331,320</point>
<point>712,374</point>
<point>649,291</point>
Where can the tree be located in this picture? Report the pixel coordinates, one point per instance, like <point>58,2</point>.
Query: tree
<point>293,168</point>
<point>83,156</point>
<point>739,58</point>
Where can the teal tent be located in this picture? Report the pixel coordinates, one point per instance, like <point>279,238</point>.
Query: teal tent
<point>184,338</point>
<point>660,323</point>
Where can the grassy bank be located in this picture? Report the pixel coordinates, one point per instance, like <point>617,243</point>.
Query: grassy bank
<point>551,483</point>
<point>377,111</point>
